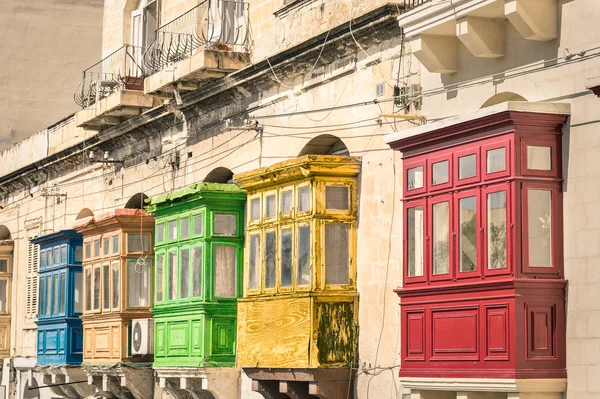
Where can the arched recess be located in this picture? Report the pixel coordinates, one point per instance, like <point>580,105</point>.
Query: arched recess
<point>84,213</point>
<point>502,98</point>
<point>4,233</point>
<point>219,175</point>
<point>137,201</point>
<point>325,144</point>
<point>32,393</point>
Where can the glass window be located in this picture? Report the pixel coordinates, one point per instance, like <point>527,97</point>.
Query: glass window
<point>88,247</point>
<point>56,255</point>
<point>255,209</point>
<point>225,271</point>
<point>88,289</point>
<point>105,246</point>
<point>55,293</point>
<point>78,294</point>
<point>48,295</point>
<point>115,244</point>
<point>197,225</point>
<point>415,241</point>
<point>78,253</point>
<point>496,230</point>
<point>42,260</point>
<point>160,261</point>
<point>184,277</point>
<point>172,275</point>
<point>286,257</point>
<point>304,203</point>
<point>63,291</point>
<point>138,285</point>
<point>172,230</point>
<point>441,238</point>
<point>287,202</point>
<point>42,303</point>
<point>415,178</point>
<point>116,287</point>
<point>138,242</point>
<point>160,233</point>
<point>539,226</point>
<point>185,227</point>
<point>96,288</point>
<point>63,254</point>
<point>197,262</point>
<point>3,265</point>
<point>3,296</point>
<point>303,277</point>
<point>539,158</point>
<point>439,171</point>
<point>254,262</point>
<point>467,166</point>
<point>96,248</point>
<point>270,206</point>
<point>106,287</point>
<point>467,225</point>
<point>270,259</point>
<point>337,253</point>
<point>496,160</point>
<point>49,257</point>
<point>336,197</point>
<point>225,225</point>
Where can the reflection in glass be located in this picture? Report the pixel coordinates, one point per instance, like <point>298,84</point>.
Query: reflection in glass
<point>255,209</point>
<point>116,288</point>
<point>539,158</point>
<point>286,257</point>
<point>286,202</point>
<point>336,197</point>
<point>415,241</point>
<point>196,271</point>
<point>303,277</point>
<point>197,225</point>
<point>254,262</point>
<point>337,254</point>
<point>415,178</point>
<point>160,262</point>
<point>539,226</point>
<point>441,238</point>
<point>439,171</point>
<point>270,206</point>
<point>184,275</point>
<point>304,199</point>
<point>467,225</point>
<point>172,275</point>
<point>467,166</point>
<point>138,283</point>
<point>225,271</point>
<point>225,225</point>
<point>105,287</point>
<point>77,293</point>
<point>185,227</point>
<point>3,296</point>
<point>270,259</point>
<point>496,160</point>
<point>496,230</point>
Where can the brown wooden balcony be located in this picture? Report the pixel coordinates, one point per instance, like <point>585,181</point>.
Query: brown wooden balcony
<point>112,90</point>
<point>207,42</point>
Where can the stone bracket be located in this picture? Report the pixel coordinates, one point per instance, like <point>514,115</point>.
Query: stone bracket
<point>534,19</point>
<point>437,53</point>
<point>484,37</point>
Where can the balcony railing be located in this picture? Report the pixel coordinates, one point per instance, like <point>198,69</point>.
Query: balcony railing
<point>123,69</point>
<point>411,4</point>
<point>221,25</point>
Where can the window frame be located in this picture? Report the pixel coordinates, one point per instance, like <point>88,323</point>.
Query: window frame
<point>311,198</point>
<point>474,192</point>
<point>99,309</point>
<point>501,187</point>
<point>149,264</point>
<point>182,217</point>
<point>258,266</point>
<point>236,248</point>
<point>428,267</point>
<point>280,191</point>
<point>192,216</point>
<point>295,252</point>
<point>264,288</point>
<point>203,256</point>
<point>163,252</point>
<point>119,268</point>
<point>437,159</point>
<point>351,259</point>
<point>265,217</point>
<point>321,195</point>
<point>106,265</point>
<point>254,222</point>
<point>411,164</point>
<point>554,157</point>
<point>422,202</point>
<point>235,213</point>
<point>463,153</point>
<point>292,286</point>
<point>493,145</point>
<point>143,234</point>
<point>179,269</point>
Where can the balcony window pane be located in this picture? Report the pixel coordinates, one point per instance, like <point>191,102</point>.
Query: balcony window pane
<point>172,275</point>
<point>88,253</point>
<point>42,260</point>
<point>287,202</point>
<point>336,197</point>
<point>56,255</point>
<point>303,276</point>
<point>254,262</point>
<point>48,295</point>
<point>78,294</point>
<point>337,253</point>
<point>3,296</point>
<point>270,206</point>
<point>55,293</point>
<point>439,172</point>
<point>441,238</point>
<point>496,230</point>
<point>96,288</point>
<point>3,265</point>
<point>160,261</point>
<point>539,158</point>
<point>49,257</point>
<point>115,244</point>
<point>467,220</point>
<point>415,241</point>
<point>286,257</point>
<point>539,224</point>
<point>184,276</point>
<point>185,228</point>
<point>42,295</point>
<point>225,225</point>
<point>255,209</point>
<point>78,254</point>
<point>96,248</point>
<point>116,287</point>
<point>63,254</point>
<point>467,166</point>
<point>198,225</point>
<point>138,285</point>
<point>172,230</point>
<point>270,259</point>
<point>496,160</point>
<point>304,199</point>
<point>197,262</point>
<point>88,289</point>
<point>106,287</point>
<point>225,271</point>
<point>138,242</point>
<point>105,246</point>
<point>415,178</point>
<point>62,294</point>
<point>160,233</point>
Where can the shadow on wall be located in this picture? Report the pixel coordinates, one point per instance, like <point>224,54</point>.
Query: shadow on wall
<point>325,144</point>
<point>219,175</point>
<point>4,233</point>
<point>137,201</point>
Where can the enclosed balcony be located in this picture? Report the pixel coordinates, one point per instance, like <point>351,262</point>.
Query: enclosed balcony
<point>207,42</point>
<point>112,90</point>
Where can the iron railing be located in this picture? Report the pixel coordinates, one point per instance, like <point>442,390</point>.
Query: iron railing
<point>122,69</point>
<point>410,4</point>
<point>221,25</point>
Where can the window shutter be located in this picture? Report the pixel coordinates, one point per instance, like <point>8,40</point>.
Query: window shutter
<point>33,252</point>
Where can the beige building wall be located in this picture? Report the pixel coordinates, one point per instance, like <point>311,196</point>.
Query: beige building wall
<point>46,44</point>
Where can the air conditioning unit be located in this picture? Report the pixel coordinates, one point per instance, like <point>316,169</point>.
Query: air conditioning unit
<point>142,336</point>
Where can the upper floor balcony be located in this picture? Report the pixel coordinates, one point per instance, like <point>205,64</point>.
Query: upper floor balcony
<point>112,89</point>
<point>207,42</point>
<point>436,27</point>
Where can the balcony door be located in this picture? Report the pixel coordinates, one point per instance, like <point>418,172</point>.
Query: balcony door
<point>143,28</point>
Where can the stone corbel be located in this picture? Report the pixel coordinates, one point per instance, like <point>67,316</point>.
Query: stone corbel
<point>484,37</point>
<point>534,19</point>
<point>437,53</point>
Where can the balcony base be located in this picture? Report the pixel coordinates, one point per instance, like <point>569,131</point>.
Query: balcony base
<point>120,382</point>
<point>204,64</point>
<point>114,109</point>
<point>181,382</point>
<point>65,375</point>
